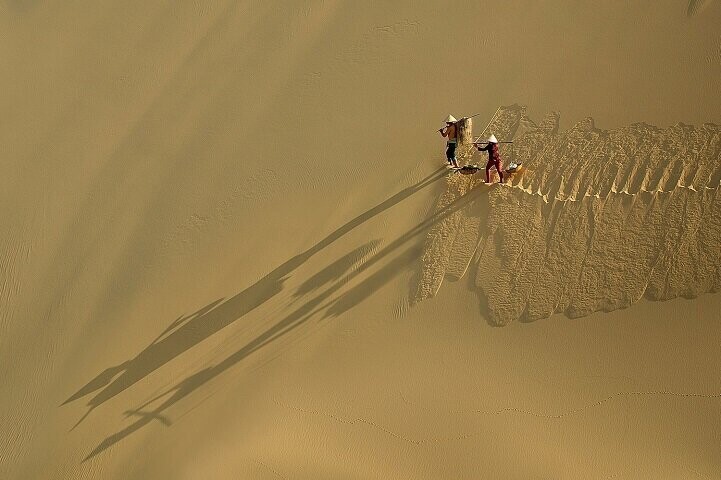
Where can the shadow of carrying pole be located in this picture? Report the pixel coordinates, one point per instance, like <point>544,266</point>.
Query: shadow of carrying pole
<point>286,325</point>
<point>186,332</point>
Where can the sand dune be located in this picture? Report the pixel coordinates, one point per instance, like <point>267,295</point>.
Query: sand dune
<point>219,219</point>
<point>597,221</point>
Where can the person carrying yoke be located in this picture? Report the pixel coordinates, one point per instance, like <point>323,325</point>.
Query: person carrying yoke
<point>451,132</point>
<point>494,157</point>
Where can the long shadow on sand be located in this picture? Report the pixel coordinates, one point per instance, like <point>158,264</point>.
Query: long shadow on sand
<point>188,331</point>
<point>301,315</point>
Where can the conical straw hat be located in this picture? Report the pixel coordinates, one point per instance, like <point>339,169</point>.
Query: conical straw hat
<point>451,119</point>
<point>492,139</point>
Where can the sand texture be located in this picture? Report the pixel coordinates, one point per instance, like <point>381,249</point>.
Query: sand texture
<point>231,247</point>
<point>595,222</point>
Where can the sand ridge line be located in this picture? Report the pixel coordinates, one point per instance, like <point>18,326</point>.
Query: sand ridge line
<point>558,198</point>
<point>587,161</point>
<point>595,230</point>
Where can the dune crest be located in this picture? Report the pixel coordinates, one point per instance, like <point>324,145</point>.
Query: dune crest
<point>599,220</point>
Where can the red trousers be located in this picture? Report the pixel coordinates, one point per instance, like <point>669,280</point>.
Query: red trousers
<point>499,168</point>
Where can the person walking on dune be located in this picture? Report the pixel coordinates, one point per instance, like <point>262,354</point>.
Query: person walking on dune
<point>494,158</point>
<point>451,133</point>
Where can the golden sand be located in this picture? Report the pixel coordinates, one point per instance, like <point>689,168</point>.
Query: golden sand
<point>220,219</point>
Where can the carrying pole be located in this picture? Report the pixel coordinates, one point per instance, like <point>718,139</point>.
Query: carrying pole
<point>489,124</point>
<point>470,150</point>
<point>463,118</point>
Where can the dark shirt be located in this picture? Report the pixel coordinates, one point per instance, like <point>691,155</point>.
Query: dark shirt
<point>492,149</point>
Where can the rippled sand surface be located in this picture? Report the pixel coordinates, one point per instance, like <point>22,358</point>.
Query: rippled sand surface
<point>596,221</point>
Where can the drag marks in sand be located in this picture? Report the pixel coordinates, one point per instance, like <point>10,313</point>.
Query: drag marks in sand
<point>599,220</point>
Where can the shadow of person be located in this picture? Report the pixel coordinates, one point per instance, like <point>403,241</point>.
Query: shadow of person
<point>295,319</point>
<point>180,391</point>
<point>187,332</point>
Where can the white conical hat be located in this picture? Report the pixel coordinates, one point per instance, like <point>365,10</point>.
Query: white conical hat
<point>492,139</point>
<point>451,119</point>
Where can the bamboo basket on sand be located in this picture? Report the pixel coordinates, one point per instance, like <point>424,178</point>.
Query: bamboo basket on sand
<point>465,131</point>
<point>464,134</point>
